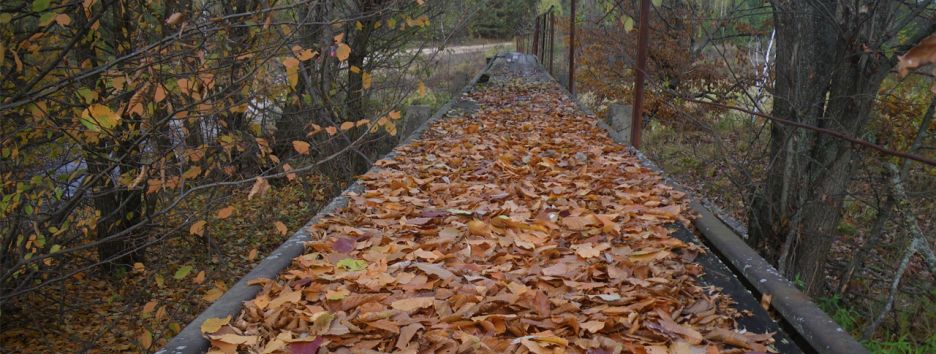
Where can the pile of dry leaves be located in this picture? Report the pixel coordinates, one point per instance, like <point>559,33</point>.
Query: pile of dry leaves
<point>518,228</point>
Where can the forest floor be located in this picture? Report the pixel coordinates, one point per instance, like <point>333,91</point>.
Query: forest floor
<point>519,227</point>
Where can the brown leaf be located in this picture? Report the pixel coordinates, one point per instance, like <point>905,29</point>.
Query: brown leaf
<point>413,303</point>
<point>406,335</point>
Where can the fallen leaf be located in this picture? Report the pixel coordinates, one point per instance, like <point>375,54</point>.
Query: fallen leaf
<point>413,303</point>
<point>212,325</point>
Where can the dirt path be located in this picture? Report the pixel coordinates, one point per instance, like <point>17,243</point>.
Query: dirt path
<point>464,48</point>
<point>518,227</point>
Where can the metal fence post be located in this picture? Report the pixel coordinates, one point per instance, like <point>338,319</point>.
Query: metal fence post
<point>572,50</point>
<point>552,38</point>
<point>536,31</point>
<point>643,36</point>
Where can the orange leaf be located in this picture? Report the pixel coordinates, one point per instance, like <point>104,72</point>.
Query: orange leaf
<point>281,227</point>
<point>301,147</point>
<point>225,213</point>
<point>198,228</point>
<point>343,52</point>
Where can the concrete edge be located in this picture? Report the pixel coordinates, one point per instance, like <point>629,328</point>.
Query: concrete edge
<point>190,339</point>
<point>797,310</point>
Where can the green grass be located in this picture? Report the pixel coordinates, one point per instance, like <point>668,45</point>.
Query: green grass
<point>850,320</point>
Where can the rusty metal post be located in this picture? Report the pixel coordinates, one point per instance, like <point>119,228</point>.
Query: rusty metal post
<point>572,50</point>
<point>536,31</point>
<point>552,38</point>
<point>643,36</point>
<point>544,46</point>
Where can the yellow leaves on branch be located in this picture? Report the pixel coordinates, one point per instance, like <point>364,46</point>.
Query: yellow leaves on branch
<point>303,54</point>
<point>292,70</point>
<point>343,52</point>
<point>366,80</point>
<point>98,117</point>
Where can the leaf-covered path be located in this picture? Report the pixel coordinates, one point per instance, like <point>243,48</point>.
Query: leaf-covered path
<point>517,227</point>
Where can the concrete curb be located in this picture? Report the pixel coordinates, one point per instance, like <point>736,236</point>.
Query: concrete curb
<point>190,339</point>
<point>819,331</point>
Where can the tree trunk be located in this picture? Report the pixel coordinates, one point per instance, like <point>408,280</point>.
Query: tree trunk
<point>825,78</point>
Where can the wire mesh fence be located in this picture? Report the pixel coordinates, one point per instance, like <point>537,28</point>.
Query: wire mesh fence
<point>823,159</point>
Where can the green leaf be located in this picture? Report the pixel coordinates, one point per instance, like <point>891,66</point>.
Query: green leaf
<point>352,264</point>
<point>182,272</point>
<point>55,249</point>
<point>40,5</point>
<point>657,3</point>
<point>5,18</point>
<point>46,18</point>
<point>628,23</point>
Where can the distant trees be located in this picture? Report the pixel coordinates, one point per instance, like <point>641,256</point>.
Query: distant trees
<point>502,18</point>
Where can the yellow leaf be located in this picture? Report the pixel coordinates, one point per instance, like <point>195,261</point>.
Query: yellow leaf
<point>292,70</point>
<point>347,126</point>
<point>343,52</point>
<point>199,278</point>
<point>355,69</point>
<point>198,228</point>
<point>301,147</point>
<point>413,303</point>
<point>226,212</point>
<point>394,115</point>
<point>339,37</point>
<point>304,54</point>
<point>213,294</point>
<point>99,117</point>
<point>139,267</point>
<point>212,325</point>
<point>361,123</point>
<point>366,80</point>
<point>358,25</point>
<point>252,254</point>
<point>479,228</point>
<point>421,88</point>
<point>331,130</point>
<point>281,228</point>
